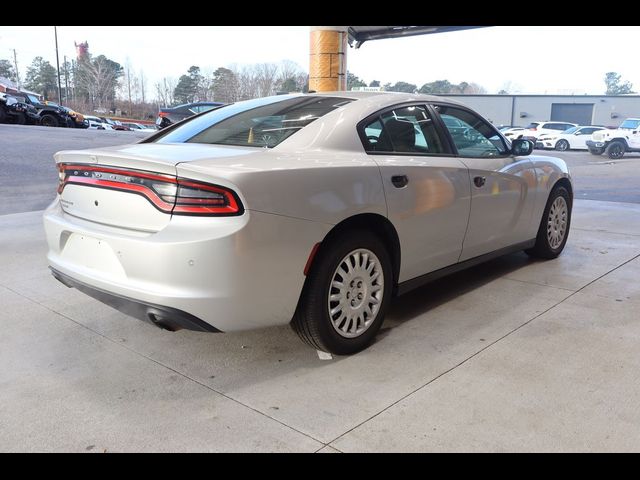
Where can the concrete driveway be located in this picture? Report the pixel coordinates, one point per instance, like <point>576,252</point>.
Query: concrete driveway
<point>513,355</point>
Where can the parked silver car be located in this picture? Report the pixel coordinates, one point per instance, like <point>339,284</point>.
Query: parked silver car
<point>311,209</point>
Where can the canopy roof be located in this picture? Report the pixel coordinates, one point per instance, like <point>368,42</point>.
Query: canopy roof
<point>361,34</point>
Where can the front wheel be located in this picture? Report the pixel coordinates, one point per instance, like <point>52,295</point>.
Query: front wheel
<point>615,150</point>
<point>346,294</point>
<point>562,145</point>
<point>49,120</point>
<point>554,226</point>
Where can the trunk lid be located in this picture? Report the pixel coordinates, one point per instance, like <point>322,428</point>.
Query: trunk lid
<point>122,186</point>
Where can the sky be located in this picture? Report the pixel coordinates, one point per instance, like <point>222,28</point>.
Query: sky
<point>528,59</point>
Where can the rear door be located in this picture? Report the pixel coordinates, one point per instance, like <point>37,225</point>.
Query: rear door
<point>502,186</point>
<point>426,187</point>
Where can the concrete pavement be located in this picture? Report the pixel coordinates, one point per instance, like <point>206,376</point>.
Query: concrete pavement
<point>512,355</point>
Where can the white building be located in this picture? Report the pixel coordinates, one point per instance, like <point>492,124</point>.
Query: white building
<point>520,110</point>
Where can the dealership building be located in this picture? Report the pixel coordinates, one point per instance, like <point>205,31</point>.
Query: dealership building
<point>520,110</point>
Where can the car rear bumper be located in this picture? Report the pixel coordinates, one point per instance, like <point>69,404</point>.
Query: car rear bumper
<point>163,317</point>
<point>232,273</point>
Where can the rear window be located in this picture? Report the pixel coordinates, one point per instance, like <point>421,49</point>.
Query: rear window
<point>533,125</point>
<point>248,125</point>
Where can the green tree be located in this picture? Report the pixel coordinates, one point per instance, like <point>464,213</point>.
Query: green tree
<point>188,87</point>
<point>615,86</point>
<point>225,85</point>
<point>375,83</point>
<point>289,85</point>
<point>7,70</point>
<point>437,87</point>
<point>41,78</point>
<point>354,81</point>
<point>401,87</point>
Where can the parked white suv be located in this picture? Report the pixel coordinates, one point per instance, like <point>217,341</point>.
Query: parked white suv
<point>535,129</point>
<point>626,138</point>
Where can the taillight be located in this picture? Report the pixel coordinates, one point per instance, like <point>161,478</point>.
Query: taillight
<point>163,114</point>
<point>168,194</point>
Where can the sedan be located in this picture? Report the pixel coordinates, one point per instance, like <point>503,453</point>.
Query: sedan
<point>572,139</point>
<point>313,210</point>
<point>169,116</point>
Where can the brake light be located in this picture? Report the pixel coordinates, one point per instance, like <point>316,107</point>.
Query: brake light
<point>163,114</point>
<point>179,196</point>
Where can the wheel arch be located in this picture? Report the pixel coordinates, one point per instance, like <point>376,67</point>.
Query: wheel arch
<point>620,140</point>
<point>564,182</point>
<point>379,225</point>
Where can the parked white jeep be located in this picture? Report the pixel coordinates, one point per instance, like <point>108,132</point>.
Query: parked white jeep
<point>626,138</point>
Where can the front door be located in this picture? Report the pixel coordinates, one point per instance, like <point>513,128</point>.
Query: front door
<point>502,186</point>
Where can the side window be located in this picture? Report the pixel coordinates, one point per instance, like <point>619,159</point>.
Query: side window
<point>587,131</point>
<point>472,136</point>
<point>403,130</point>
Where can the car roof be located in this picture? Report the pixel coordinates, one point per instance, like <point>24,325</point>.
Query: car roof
<point>381,100</point>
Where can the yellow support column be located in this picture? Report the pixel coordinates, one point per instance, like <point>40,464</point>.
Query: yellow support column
<point>328,59</point>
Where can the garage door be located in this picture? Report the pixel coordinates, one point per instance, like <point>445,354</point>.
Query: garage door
<point>580,113</point>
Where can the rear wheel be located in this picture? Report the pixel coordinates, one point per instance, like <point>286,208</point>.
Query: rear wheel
<point>346,294</point>
<point>554,226</point>
<point>562,145</point>
<point>615,150</point>
<point>49,120</point>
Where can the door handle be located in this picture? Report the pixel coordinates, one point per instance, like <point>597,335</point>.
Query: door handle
<point>399,181</point>
<point>479,181</point>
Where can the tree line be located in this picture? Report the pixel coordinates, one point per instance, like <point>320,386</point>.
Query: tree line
<point>431,88</point>
<point>97,83</point>
<point>232,84</point>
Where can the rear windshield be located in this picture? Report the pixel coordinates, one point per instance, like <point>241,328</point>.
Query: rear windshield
<point>533,125</point>
<point>248,125</point>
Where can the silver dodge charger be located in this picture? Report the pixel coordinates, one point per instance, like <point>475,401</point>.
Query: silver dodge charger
<point>313,210</point>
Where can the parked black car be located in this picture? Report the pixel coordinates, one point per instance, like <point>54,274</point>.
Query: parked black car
<point>169,116</point>
<point>13,110</point>
<point>49,115</point>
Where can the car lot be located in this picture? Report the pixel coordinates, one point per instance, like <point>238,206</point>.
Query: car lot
<point>27,154</point>
<point>510,355</point>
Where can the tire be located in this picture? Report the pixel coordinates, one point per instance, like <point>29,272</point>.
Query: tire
<point>562,145</point>
<point>48,120</point>
<point>615,149</point>
<point>3,115</point>
<point>352,327</point>
<point>554,225</point>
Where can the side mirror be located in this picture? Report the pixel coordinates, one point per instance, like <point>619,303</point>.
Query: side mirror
<point>521,147</point>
